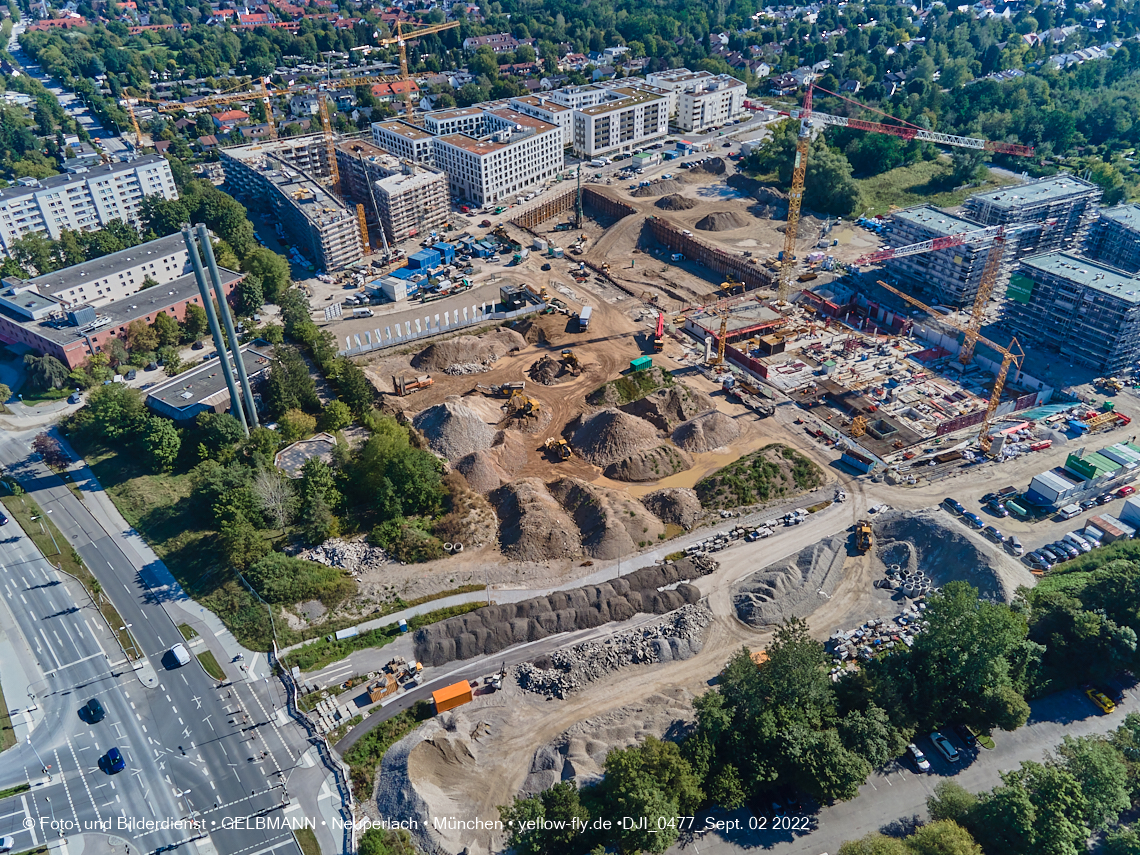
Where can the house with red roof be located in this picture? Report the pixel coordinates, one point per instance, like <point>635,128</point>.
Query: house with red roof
<point>229,119</point>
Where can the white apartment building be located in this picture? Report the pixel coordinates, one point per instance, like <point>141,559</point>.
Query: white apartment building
<point>522,151</point>
<point>549,111</point>
<point>624,118</point>
<point>676,80</point>
<point>699,99</point>
<point>407,142</point>
<point>82,199</point>
<point>465,120</point>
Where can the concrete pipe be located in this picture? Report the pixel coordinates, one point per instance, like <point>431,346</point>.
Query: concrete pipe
<point>896,568</point>
<point>459,547</point>
<point>447,547</point>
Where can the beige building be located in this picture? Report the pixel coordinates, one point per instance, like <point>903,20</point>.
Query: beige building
<point>549,111</point>
<point>412,202</point>
<point>407,142</point>
<point>624,119</point>
<point>465,120</point>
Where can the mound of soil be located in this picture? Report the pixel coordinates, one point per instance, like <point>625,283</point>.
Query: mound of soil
<point>482,472</point>
<point>791,588</point>
<point>676,203</point>
<point>722,221</point>
<point>547,371</point>
<point>704,433</point>
<point>651,464</point>
<point>611,523</point>
<point>675,505</point>
<point>712,166</point>
<point>666,408</point>
<point>630,387</point>
<point>532,525</point>
<point>659,188</point>
<point>610,435</point>
<point>531,329</point>
<point>466,351</point>
<point>510,451</point>
<point>454,429</point>
<point>773,472</point>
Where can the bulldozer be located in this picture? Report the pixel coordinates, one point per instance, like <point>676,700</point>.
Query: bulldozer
<point>570,360</point>
<point>520,406</point>
<point>558,448</point>
<point>863,535</point>
<point>504,390</point>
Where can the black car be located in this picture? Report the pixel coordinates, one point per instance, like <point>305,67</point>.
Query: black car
<point>546,267</point>
<point>997,509</point>
<point>1051,555</point>
<point>954,505</point>
<point>968,737</point>
<point>990,497</point>
<point>1104,498</point>
<point>94,711</point>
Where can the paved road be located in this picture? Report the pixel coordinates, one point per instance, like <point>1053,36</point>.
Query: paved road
<point>229,748</point>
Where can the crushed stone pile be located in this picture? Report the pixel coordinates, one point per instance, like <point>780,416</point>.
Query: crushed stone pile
<point>710,166</point>
<point>353,555</point>
<point>791,588</point>
<point>675,505</point>
<point>676,202</point>
<point>668,187</point>
<point>546,371</point>
<point>651,464</point>
<point>468,354</point>
<point>482,472</point>
<point>610,523</point>
<point>679,636</point>
<point>453,429</point>
<point>610,435</point>
<point>490,629</point>
<point>532,525</point>
<point>704,433</point>
<point>722,221</point>
<point>667,407</point>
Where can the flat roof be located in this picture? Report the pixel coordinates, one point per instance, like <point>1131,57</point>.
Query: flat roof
<point>62,180</point>
<point>400,182</point>
<point>206,380</point>
<point>936,220</point>
<point>1090,274</point>
<point>523,119</point>
<point>1127,214</point>
<point>458,113</point>
<point>108,265</point>
<point>1034,192</point>
<point>361,147</point>
<point>631,97</point>
<point>403,129</point>
<point>542,103</point>
<point>1057,480</point>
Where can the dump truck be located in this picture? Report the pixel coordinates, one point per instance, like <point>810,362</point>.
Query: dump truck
<point>659,334</point>
<point>863,535</point>
<point>404,386</point>
<point>559,448</point>
<point>1114,384</point>
<point>450,697</point>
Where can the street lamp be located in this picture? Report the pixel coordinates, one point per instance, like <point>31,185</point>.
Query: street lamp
<point>44,765</point>
<point>52,809</point>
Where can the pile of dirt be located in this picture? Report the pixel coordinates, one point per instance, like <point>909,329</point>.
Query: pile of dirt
<point>651,464</point>
<point>610,435</point>
<point>711,166</point>
<point>482,472</point>
<point>772,472</point>
<point>630,388</point>
<point>666,408</point>
<point>793,588</point>
<point>547,371</point>
<point>609,522</point>
<point>468,354</point>
<point>490,629</point>
<point>676,203</point>
<point>667,187</point>
<point>674,505</point>
<point>930,541</point>
<point>772,204</point>
<point>722,221</point>
<point>453,429</point>
<point>704,433</point>
<point>511,451</point>
<point>531,329</point>
<point>532,525</point>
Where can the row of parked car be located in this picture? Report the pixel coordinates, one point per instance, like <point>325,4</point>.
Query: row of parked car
<point>1011,543</point>
<point>944,746</point>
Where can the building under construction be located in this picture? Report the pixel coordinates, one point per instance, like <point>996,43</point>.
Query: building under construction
<point>1067,203</point>
<point>1086,310</point>
<point>1114,238</point>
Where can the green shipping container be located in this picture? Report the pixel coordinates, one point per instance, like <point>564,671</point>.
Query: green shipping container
<point>641,363</point>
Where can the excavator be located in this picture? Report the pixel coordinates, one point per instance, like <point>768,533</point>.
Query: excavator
<point>404,386</point>
<point>570,360</point>
<point>559,448</point>
<point>520,406</point>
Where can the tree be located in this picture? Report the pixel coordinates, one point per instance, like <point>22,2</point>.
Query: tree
<point>195,324</point>
<point>828,185</point>
<point>171,361</point>
<point>163,440</point>
<point>50,451</point>
<point>141,337</point>
<point>967,166</point>
<point>484,63</point>
<point>296,424</point>
<point>275,492</point>
<point>356,389</point>
<point>726,788</point>
<point>942,838</point>
<point>219,430</point>
<point>250,296</point>
<point>650,780</point>
<point>1102,775</point>
<point>290,385</point>
<point>242,543</point>
<point>1124,841</point>
<point>271,269</point>
<point>167,330</point>
<point>5,394</point>
<point>384,841</point>
<point>113,411</point>
<point>1109,179</point>
<point>522,818</point>
<point>874,844</point>
<point>951,801</point>
<point>335,416</point>
<point>45,372</point>
<point>870,734</point>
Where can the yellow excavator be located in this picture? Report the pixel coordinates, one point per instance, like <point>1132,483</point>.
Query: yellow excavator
<point>520,406</point>
<point>570,360</point>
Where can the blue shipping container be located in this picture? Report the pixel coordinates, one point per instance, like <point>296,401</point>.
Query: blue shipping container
<point>446,252</point>
<point>425,259</point>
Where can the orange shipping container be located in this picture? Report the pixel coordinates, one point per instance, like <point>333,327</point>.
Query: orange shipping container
<point>452,696</point>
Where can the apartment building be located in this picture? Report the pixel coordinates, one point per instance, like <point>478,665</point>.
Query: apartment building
<point>71,313</point>
<point>406,141</point>
<point>1083,309</point>
<point>412,202</point>
<point>623,119</point>
<point>520,152</point>
<point>1067,203</point>
<point>711,103</point>
<point>360,164</point>
<point>551,112</point>
<point>676,80</point>
<point>318,224</point>
<point>465,120</point>
<point>1114,238</point>
<point>308,153</point>
<point>82,199</point>
<point>949,276</point>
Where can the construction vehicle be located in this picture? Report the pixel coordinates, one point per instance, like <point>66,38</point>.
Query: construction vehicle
<point>570,360</point>
<point>504,390</point>
<point>520,406</point>
<point>809,119</point>
<point>559,448</point>
<point>659,334</point>
<point>404,386</point>
<point>863,535</point>
<point>1114,384</point>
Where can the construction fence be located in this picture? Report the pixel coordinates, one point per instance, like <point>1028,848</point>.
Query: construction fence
<point>403,332</point>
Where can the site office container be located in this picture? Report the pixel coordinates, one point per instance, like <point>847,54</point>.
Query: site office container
<point>450,697</point>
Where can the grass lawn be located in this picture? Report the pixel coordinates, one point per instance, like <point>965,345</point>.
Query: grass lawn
<point>7,734</point>
<point>187,631</point>
<point>365,756</point>
<point>307,840</point>
<point>918,184</point>
<point>210,663</point>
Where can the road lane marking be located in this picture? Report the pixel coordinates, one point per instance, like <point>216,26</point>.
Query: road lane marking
<point>86,785</point>
<point>66,789</point>
<point>76,662</point>
<point>50,650</point>
<point>28,815</point>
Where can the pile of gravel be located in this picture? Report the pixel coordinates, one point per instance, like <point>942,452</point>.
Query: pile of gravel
<point>468,354</point>
<point>650,464</point>
<point>546,371</point>
<point>610,435</point>
<point>710,166</point>
<point>483,474</point>
<point>670,186</point>
<point>676,505</point>
<point>353,555</point>
<point>793,588</point>
<point>533,526</point>
<point>679,636</point>
<point>676,203</point>
<point>454,429</point>
<point>704,433</point>
<point>722,221</point>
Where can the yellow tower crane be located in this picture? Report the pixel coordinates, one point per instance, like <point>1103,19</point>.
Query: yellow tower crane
<point>1010,356</point>
<point>401,39</point>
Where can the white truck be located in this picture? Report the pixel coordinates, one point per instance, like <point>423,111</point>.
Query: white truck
<point>362,313</point>
<point>584,318</point>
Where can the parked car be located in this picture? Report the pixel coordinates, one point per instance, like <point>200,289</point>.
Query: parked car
<point>1112,690</point>
<point>1067,548</point>
<point>918,758</point>
<point>1075,539</point>
<point>1101,700</point>
<point>546,267</point>
<point>1104,498</point>
<point>967,735</point>
<point>1087,504</point>
<point>1014,545</point>
<point>997,509</point>
<point>1037,561</point>
<point>954,505</point>
<point>944,746</point>
<point>3,518</point>
<point>993,534</point>
<point>973,520</point>
<point>1125,491</point>
<point>1050,554</point>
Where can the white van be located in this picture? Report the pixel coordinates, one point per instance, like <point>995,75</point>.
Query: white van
<point>1078,541</point>
<point>362,313</point>
<point>180,654</point>
<point>1069,511</point>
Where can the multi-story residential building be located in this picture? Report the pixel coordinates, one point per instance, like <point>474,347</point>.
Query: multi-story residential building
<point>1087,311</point>
<point>624,118</point>
<point>82,199</point>
<point>498,42</point>
<point>308,153</point>
<point>520,152</point>
<point>465,120</point>
<point>950,276</point>
<point>412,202</point>
<point>551,112</point>
<point>406,141</point>
<point>1115,237</point>
<point>71,313</point>
<point>319,224</point>
<point>676,80</point>
<point>1066,203</point>
<point>359,164</point>
<point>711,103</point>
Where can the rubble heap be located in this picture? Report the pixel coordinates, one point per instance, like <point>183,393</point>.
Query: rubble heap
<point>678,636</point>
<point>353,555</point>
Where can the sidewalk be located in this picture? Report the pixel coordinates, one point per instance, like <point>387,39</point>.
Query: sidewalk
<point>18,675</point>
